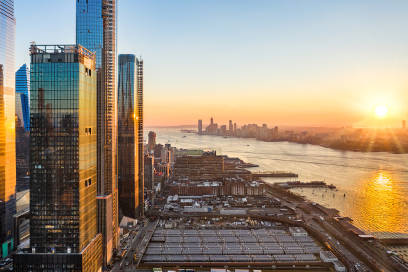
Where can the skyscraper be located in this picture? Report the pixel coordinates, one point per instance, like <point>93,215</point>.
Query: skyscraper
<point>22,104</point>
<point>139,118</point>
<point>200,126</point>
<point>128,159</point>
<point>96,30</point>
<point>23,96</point>
<point>149,172</point>
<point>7,126</point>
<point>151,141</point>
<point>63,217</point>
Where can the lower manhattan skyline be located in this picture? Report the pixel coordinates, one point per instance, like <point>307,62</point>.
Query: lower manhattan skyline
<point>268,62</point>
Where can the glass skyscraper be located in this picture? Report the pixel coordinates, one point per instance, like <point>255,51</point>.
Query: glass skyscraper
<point>96,30</point>
<point>128,139</point>
<point>23,96</point>
<point>7,126</point>
<point>89,27</point>
<point>63,206</point>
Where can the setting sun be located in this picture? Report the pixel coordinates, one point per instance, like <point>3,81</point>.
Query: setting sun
<point>381,111</point>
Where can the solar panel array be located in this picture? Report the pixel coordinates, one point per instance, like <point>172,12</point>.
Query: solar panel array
<point>230,245</point>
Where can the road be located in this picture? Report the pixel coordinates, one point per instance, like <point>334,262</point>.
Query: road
<point>353,249</point>
<point>357,254</point>
<point>136,246</point>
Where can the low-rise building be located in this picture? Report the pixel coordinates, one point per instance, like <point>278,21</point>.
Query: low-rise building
<point>298,232</point>
<point>339,267</point>
<point>328,256</point>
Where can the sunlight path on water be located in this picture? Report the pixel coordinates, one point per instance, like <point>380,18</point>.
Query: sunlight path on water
<point>372,187</point>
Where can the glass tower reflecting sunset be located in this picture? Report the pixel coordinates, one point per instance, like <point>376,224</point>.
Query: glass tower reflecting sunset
<point>96,30</point>
<point>63,219</point>
<point>130,175</point>
<point>7,126</point>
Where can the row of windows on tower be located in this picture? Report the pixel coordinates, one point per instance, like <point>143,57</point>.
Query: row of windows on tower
<point>88,131</point>
<point>88,182</point>
<point>88,71</point>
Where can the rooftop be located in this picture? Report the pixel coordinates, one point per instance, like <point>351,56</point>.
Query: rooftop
<point>60,48</point>
<point>267,245</point>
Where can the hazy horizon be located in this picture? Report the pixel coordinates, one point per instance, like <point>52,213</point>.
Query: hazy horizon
<point>298,63</point>
<point>205,124</point>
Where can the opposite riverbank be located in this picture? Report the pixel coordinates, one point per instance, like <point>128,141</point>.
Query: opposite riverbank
<point>393,141</point>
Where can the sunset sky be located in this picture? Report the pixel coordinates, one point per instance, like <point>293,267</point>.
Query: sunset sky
<point>317,63</point>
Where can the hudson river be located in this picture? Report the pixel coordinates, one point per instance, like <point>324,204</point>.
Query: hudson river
<point>372,187</point>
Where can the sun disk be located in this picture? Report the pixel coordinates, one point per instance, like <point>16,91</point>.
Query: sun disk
<point>381,111</point>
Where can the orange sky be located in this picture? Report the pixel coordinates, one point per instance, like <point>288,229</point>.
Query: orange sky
<point>350,100</point>
<point>305,63</point>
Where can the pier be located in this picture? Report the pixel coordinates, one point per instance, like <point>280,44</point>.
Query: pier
<point>274,174</point>
<point>311,184</point>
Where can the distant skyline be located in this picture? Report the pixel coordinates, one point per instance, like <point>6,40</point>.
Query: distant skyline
<point>303,63</point>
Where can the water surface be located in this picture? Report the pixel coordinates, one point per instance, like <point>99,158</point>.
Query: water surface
<point>372,187</point>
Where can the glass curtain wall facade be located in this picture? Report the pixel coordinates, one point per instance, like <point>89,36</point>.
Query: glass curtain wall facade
<point>63,205</point>
<point>23,96</point>
<point>7,126</point>
<point>89,27</point>
<point>128,165</point>
<point>139,118</point>
<point>96,30</point>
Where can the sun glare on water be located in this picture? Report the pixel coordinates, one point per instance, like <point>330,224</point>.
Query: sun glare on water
<point>381,111</point>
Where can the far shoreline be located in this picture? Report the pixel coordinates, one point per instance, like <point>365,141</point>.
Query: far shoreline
<point>332,147</point>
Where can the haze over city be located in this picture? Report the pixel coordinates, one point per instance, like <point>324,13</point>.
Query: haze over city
<point>300,63</point>
<point>203,136</point>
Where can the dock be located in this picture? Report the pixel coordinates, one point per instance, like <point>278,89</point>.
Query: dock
<point>274,174</point>
<point>311,184</point>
